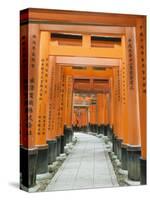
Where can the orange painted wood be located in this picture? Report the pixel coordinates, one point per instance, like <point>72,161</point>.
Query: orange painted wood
<point>51,99</point>
<point>68,101</point>
<point>74,120</point>
<point>114,53</point>
<point>93,114</point>
<point>106,119</point>
<point>29,55</point>
<point>141,68</point>
<point>84,117</point>
<point>42,93</point>
<point>62,85</point>
<point>89,61</point>
<point>100,108</point>
<point>133,103</point>
<point>116,102</point>
<point>56,114</point>
<point>78,17</point>
<point>111,102</point>
<point>90,29</point>
<point>124,95</point>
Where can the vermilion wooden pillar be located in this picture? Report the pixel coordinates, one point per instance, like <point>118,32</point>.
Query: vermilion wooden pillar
<point>100,112</point>
<point>74,121</point>
<point>117,111</point>
<point>119,120</point>
<point>124,106</point>
<point>84,119</point>
<point>68,132</point>
<point>94,117</point>
<point>90,116</point>
<point>92,109</point>
<point>111,106</point>
<point>134,140</point>
<point>105,113</point>
<point>51,139</point>
<point>57,103</point>
<point>29,55</point>
<point>42,104</point>
<point>62,96</point>
<point>109,101</point>
<point>141,67</point>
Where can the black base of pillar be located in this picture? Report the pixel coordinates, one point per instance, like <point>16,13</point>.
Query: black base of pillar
<point>134,154</point>
<point>58,145</point>
<point>74,128</point>
<point>105,130</point>
<point>118,143</point>
<point>51,151</point>
<point>114,144</point>
<point>28,162</point>
<point>124,160</point>
<point>102,129</point>
<point>143,170</point>
<point>98,129</point>
<point>109,132</point>
<point>85,129</point>
<point>68,133</point>
<point>91,128</point>
<point>62,144</point>
<point>95,128</point>
<point>42,161</point>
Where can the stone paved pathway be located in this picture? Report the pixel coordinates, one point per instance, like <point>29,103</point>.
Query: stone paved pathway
<point>88,166</point>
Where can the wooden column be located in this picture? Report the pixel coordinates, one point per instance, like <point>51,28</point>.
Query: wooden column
<point>56,107</point>
<point>51,138</point>
<point>141,68</point>
<point>29,55</point>
<point>100,112</point>
<point>106,119</point>
<point>84,113</point>
<point>134,140</point>
<point>124,105</point>
<point>68,108</point>
<point>111,105</point>
<point>91,116</point>
<point>99,109</point>
<point>117,112</point>
<point>115,100</point>
<point>42,104</point>
<point>61,118</point>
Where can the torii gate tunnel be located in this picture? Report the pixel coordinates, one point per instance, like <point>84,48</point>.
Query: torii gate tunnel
<point>81,71</point>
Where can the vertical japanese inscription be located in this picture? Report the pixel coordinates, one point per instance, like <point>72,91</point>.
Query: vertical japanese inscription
<point>69,99</point>
<point>142,56</point>
<point>131,63</point>
<point>62,100</point>
<point>123,83</point>
<point>31,84</point>
<point>42,84</point>
<point>118,83</point>
<point>24,84</point>
<point>29,40</point>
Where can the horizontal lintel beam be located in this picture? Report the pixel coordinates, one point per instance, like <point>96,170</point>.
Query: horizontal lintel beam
<point>116,52</point>
<point>82,61</point>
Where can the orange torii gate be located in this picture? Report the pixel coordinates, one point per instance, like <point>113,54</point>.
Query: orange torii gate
<point>39,111</point>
